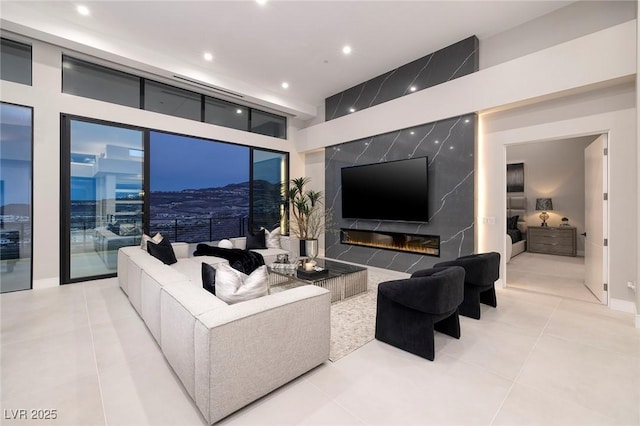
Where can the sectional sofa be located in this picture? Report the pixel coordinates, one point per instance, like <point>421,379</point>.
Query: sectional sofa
<point>226,356</point>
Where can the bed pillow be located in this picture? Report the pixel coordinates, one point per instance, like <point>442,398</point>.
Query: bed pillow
<point>233,286</point>
<point>512,222</point>
<point>272,238</point>
<point>162,251</point>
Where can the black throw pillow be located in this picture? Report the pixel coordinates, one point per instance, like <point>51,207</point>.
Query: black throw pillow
<point>162,251</point>
<point>209,278</point>
<point>256,241</point>
<point>512,222</point>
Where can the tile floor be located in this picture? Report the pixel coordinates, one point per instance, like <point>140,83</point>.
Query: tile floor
<point>545,273</point>
<point>537,359</point>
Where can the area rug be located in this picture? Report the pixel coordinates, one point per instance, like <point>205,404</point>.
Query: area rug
<point>353,320</point>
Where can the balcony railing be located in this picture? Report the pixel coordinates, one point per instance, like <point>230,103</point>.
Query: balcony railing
<point>199,229</point>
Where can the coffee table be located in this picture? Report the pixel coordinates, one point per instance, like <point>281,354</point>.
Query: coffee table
<point>342,279</point>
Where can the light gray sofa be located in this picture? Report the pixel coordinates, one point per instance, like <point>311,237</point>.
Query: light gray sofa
<point>225,355</point>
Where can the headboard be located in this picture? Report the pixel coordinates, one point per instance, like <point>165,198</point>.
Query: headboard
<point>517,206</point>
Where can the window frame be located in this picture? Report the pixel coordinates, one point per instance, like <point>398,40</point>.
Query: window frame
<point>31,210</point>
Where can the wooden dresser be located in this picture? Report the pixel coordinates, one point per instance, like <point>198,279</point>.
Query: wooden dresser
<point>550,240</point>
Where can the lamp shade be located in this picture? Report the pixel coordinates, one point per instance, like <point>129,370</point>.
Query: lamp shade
<point>544,204</point>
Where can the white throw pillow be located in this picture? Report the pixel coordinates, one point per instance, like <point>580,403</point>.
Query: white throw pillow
<point>272,238</point>
<point>225,244</point>
<point>145,238</point>
<point>232,286</point>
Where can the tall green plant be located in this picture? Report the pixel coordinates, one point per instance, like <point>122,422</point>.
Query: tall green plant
<point>305,204</point>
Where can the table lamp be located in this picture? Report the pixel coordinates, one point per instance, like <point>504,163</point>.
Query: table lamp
<point>544,204</point>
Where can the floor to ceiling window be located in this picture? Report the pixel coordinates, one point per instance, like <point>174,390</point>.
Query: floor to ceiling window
<point>198,189</point>
<point>270,174</point>
<point>16,145</point>
<point>102,194</point>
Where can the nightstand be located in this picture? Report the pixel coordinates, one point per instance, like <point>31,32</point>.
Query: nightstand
<point>549,240</point>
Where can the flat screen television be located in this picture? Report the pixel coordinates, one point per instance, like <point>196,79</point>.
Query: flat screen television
<point>394,190</point>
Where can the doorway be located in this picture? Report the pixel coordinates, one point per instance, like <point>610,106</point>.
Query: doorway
<point>556,172</point>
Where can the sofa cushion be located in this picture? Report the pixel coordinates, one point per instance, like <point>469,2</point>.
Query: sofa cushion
<point>191,268</point>
<point>145,238</point>
<point>233,286</point>
<point>162,251</point>
<point>209,278</point>
<point>256,241</point>
<point>272,238</point>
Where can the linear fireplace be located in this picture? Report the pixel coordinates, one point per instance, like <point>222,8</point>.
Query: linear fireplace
<point>428,245</point>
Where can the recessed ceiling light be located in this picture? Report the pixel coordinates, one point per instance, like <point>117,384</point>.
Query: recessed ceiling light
<point>466,121</point>
<point>238,111</point>
<point>352,109</point>
<point>285,85</point>
<point>412,132</point>
<point>413,88</point>
<point>207,56</point>
<point>346,50</point>
<point>83,10</point>
<point>261,2</point>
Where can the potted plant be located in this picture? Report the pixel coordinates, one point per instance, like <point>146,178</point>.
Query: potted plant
<point>306,215</point>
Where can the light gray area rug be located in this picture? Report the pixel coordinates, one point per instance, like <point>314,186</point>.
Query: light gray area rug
<point>353,321</point>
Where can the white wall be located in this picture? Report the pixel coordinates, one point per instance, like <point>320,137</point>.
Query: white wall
<point>573,21</point>
<point>48,102</point>
<point>554,169</point>
<point>636,283</point>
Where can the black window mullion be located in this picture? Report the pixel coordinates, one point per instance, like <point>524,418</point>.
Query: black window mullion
<point>142,84</point>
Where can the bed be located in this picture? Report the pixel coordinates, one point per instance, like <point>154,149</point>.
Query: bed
<point>516,225</point>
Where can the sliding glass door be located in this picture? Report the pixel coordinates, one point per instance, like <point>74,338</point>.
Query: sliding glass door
<point>16,147</point>
<point>103,196</point>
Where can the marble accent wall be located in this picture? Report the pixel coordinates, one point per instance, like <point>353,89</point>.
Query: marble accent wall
<point>450,146</point>
<point>446,64</point>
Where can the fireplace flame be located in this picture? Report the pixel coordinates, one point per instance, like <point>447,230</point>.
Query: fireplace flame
<point>421,245</point>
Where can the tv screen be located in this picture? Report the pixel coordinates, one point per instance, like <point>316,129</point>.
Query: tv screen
<point>395,190</point>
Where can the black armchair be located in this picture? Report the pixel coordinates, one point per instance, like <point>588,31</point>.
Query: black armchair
<point>409,310</point>
<point>481,272</point>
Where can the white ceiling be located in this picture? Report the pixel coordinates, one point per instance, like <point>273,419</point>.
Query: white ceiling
<point>257,47</point>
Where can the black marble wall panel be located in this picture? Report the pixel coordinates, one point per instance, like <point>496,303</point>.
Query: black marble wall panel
<point>446,64</point>
<point>450,147</point>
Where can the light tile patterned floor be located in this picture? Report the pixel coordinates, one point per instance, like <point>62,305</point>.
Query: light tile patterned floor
<point>549,274</point>
<point>535,360</point>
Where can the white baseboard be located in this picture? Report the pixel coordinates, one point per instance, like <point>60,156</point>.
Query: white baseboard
<point>623,306</point>
<point>46,283</point>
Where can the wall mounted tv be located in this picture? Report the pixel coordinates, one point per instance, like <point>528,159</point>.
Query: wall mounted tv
<point>394,190</point>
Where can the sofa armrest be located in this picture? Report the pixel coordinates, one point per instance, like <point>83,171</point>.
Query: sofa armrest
<point>181,250</point>
<point>247,350</point>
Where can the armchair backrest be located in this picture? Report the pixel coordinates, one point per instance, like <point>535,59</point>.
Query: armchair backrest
<point>433,291</point>
<point>480,269</point>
